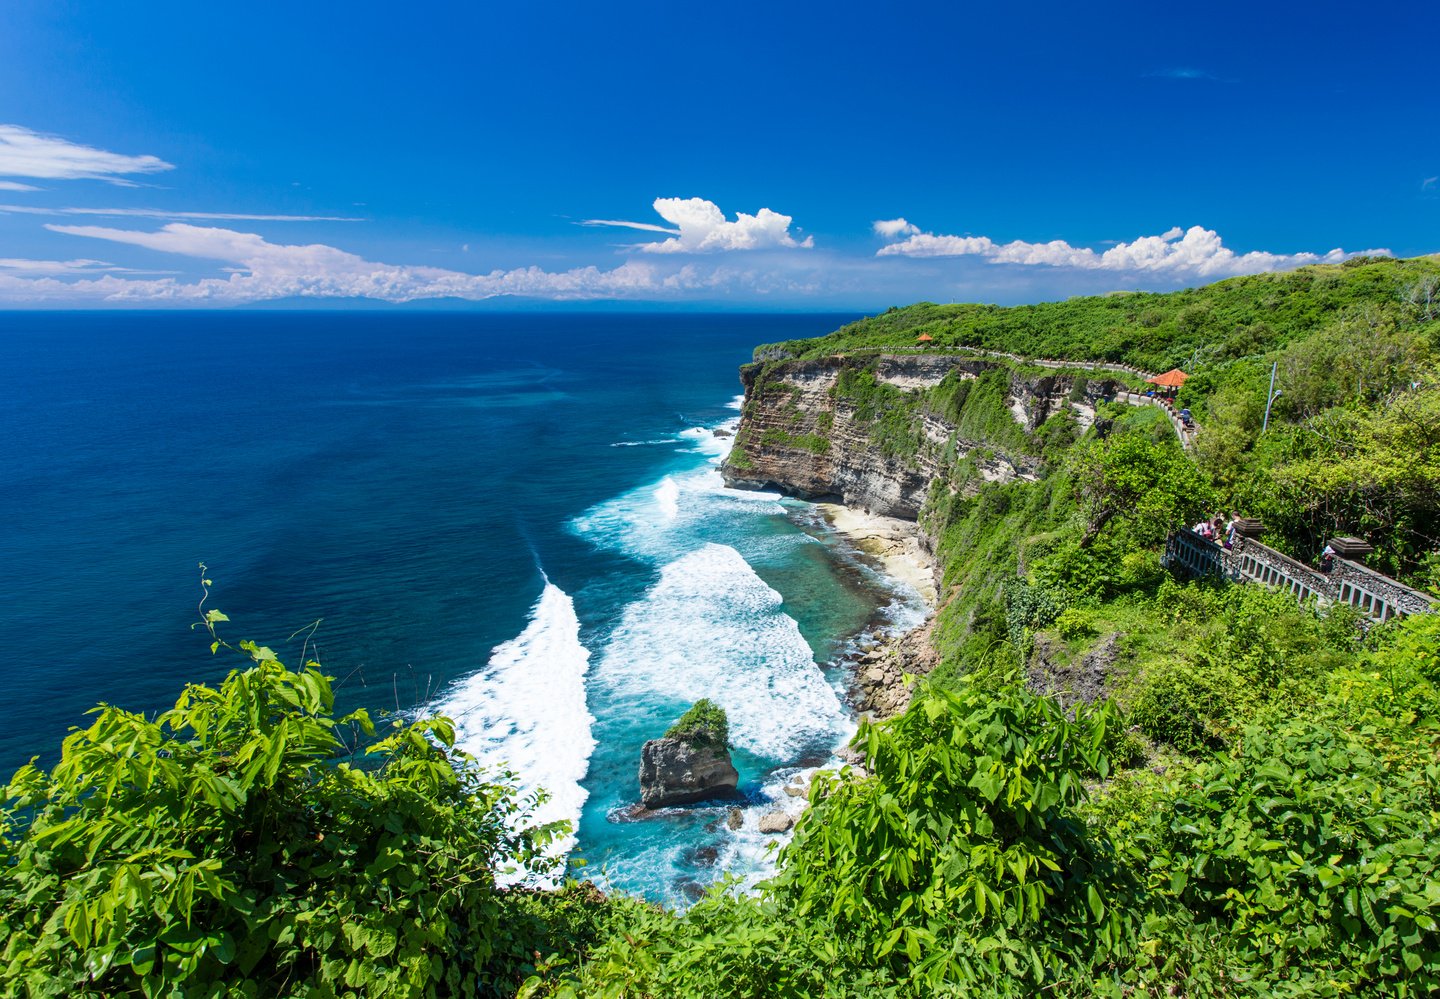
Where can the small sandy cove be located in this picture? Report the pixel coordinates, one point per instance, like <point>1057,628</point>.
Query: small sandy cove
<point>891,540</point>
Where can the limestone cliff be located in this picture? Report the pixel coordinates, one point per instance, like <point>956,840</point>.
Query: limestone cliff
<point>804,436</point>
<point>877,433</point>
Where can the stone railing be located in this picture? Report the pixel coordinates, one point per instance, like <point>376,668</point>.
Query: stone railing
<point>1373,594</point>
<point>1376,594</point>
<point>1188,552</point>
<point>1250,561</point>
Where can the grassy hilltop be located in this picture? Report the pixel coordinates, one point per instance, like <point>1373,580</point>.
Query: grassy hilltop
<point>1215,323</point>
<point>1251,807</point>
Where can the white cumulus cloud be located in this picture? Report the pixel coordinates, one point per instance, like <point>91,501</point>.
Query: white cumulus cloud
<point>894,228</point>
<point>699,226</point>
<point>258,270</point>
<point>27,153</point>
<point>1193,252</point>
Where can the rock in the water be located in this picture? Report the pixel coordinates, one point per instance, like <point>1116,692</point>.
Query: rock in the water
<point>735,819</point>
<point>702,856</point>
<point>674,772</point>
<point>775,822</point>
<point>795,790</point>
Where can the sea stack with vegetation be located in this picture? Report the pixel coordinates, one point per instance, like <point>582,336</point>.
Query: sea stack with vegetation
<point>1140,762</point>
<point>691,762</point>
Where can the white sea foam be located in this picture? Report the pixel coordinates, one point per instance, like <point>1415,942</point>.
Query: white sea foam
<point>707,441</point>
<point>710,627</point>
<point>737,403</point>
<point>667,497</point>
<point>750,852</point>
<point>662,519</point>
<point>526,710</point>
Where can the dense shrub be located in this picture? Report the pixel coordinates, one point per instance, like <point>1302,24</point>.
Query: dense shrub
<point>957,867</point>
<point>704,724</point>
<point>228,848</point>
<point>1316,858</point>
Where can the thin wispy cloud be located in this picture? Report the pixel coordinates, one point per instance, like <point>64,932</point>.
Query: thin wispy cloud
<point>699,226</point>
<point>160,213</point>
<point>12,185</point>
<point>1181,73</point>
<point>27,153</point>
<point>55,267</point>
<point>642,226</point>
<point>1186,253</point>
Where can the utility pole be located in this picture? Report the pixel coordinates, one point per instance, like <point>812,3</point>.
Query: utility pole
<point>1270,399</point>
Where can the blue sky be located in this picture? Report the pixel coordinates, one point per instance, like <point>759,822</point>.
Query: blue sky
<point>758,155</point>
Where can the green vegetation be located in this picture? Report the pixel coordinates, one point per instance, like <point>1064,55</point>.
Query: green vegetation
<point>814,443</point>
<point>1115,783</point>
<point>740,459</point>
<point>1155,332</point>
<point>1131,476</point>
<point>704,724</point>
<point>883,409</point>
<point>232,847</point>
<point>976,406</point>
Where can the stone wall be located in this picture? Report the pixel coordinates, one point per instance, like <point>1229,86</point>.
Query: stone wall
<point>1374,594</point>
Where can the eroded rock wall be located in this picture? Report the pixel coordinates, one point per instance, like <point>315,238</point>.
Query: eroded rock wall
<point>800,437</point>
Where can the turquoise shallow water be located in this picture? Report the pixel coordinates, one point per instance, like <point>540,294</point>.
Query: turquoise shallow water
<point>515,518</point>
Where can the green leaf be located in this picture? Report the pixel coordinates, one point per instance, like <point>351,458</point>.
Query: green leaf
<point>1097,906</point>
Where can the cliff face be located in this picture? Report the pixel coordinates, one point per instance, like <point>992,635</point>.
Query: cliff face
<point>801,436</point>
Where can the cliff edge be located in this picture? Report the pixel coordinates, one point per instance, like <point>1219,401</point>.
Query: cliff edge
<point>875,432</point>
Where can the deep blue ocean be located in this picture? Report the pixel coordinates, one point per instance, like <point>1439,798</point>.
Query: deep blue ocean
<point>515,519</point>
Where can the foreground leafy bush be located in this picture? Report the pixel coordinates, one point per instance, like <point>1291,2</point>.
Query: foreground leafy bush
<point>959,859</point>
<point>220,850</point>
<point>956,867</point>
<point>1315,860</point>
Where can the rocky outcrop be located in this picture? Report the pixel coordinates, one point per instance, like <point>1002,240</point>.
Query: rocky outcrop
<point>879,684</point>
<point>1082,680</point>
<point>774,823</point>
<point>799,436</point>
<point>676,772</point>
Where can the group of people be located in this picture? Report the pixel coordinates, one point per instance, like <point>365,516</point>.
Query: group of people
<point>1219,530</point>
